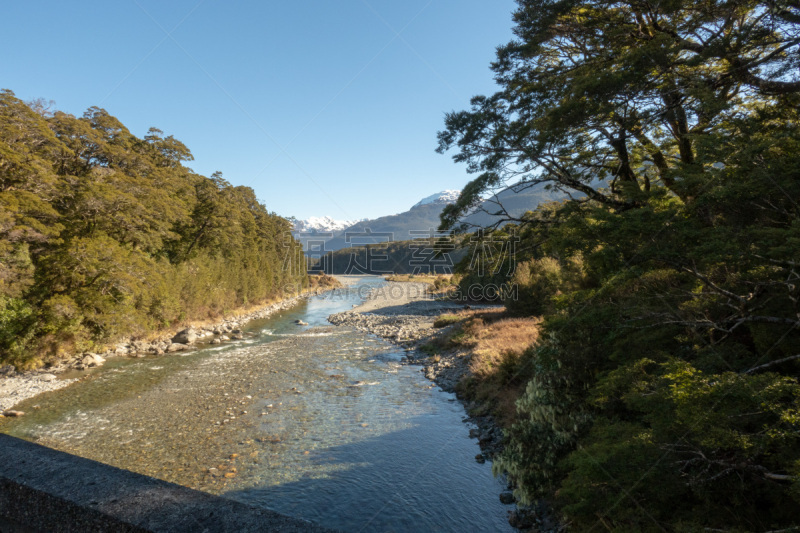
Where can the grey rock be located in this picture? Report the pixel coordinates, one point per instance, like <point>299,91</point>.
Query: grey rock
<point>48,377</point>
<point>92,359</point>
<point>186,336</point>
<point>176,347</point>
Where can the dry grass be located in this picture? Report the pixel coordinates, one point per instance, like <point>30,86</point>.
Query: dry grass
<point>323,281</point>
<point>417,278</point>
<point>439,284</point>
<point>499,363</point>
<point>446,320</point>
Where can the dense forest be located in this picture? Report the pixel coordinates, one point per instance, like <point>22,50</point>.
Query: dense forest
<point>104,235</point>
<point>663,394</point>
<point>438,255</point>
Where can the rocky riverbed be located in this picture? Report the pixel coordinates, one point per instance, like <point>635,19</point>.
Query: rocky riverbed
<point>18,386</point>
<point>316,421</point>
<point>404,313</point>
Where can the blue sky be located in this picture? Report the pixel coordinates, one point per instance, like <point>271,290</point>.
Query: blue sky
<point>323,107</point>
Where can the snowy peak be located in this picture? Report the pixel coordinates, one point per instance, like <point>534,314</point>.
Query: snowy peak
<point>322,224</point>
<point>444,197</point>
<point>331,225</point>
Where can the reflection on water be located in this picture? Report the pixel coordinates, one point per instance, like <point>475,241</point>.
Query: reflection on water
<point>318,422</point>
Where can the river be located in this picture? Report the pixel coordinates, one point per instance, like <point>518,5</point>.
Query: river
<point>318,422</point>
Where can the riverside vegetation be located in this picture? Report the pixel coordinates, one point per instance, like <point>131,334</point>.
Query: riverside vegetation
<point>661,392</point>
<point>104,235</point>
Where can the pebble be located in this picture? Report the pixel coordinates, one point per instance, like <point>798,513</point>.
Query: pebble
<point>409,331</point>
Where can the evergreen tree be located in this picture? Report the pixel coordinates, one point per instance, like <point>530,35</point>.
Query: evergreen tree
<point>665,392</point>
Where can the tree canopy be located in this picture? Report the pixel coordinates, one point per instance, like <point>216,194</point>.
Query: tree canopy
<point>663,394</point>
<point>104,235</point>
<point>610,99</point>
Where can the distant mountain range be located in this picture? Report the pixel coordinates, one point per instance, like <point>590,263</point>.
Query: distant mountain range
<point>421,219</point>
<point>516,203</point>
<point>445,197</point>
<point>323,224</point>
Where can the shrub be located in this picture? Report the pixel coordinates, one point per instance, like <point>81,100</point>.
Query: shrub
<point>446,320</point>
<point>539,281</point>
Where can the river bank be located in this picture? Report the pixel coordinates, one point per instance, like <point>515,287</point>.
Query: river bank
<point>318,422</point>
<point>404,313</point>
<point>16,387</point>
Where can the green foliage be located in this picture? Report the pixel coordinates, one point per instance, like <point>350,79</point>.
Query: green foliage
<point>725,442</point>
<point>540,281</point>
<point>397,257</point>
<point>17,320</point>
<point>446,320</point>
<point>665,390</point>
<point>104,235</point>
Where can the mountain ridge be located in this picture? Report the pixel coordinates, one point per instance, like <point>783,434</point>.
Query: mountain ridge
<point>423,218</point>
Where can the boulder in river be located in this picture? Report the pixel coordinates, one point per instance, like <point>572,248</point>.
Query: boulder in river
<point>176,347</point>
<point>186,336</point>
<point>92,359</point>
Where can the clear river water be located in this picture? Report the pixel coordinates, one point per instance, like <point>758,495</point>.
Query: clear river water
<point>318,422</point>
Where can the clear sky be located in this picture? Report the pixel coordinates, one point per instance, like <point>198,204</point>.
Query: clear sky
<point>324,107</point>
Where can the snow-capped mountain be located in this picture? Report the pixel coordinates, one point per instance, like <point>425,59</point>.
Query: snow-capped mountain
<point>445,197</point>
<point>323,224</point>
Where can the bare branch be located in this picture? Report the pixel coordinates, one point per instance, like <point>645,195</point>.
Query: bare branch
<point>771,363</point>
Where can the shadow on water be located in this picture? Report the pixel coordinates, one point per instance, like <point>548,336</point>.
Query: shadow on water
<point>323,422</point>
<point>412,479</point>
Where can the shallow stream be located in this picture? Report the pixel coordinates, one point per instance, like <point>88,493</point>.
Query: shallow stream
<point>318,422</point>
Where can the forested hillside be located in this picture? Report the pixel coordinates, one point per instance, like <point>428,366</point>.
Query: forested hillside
<point>663,393</point>
<point>103,234</point>
<point>424,256</point>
